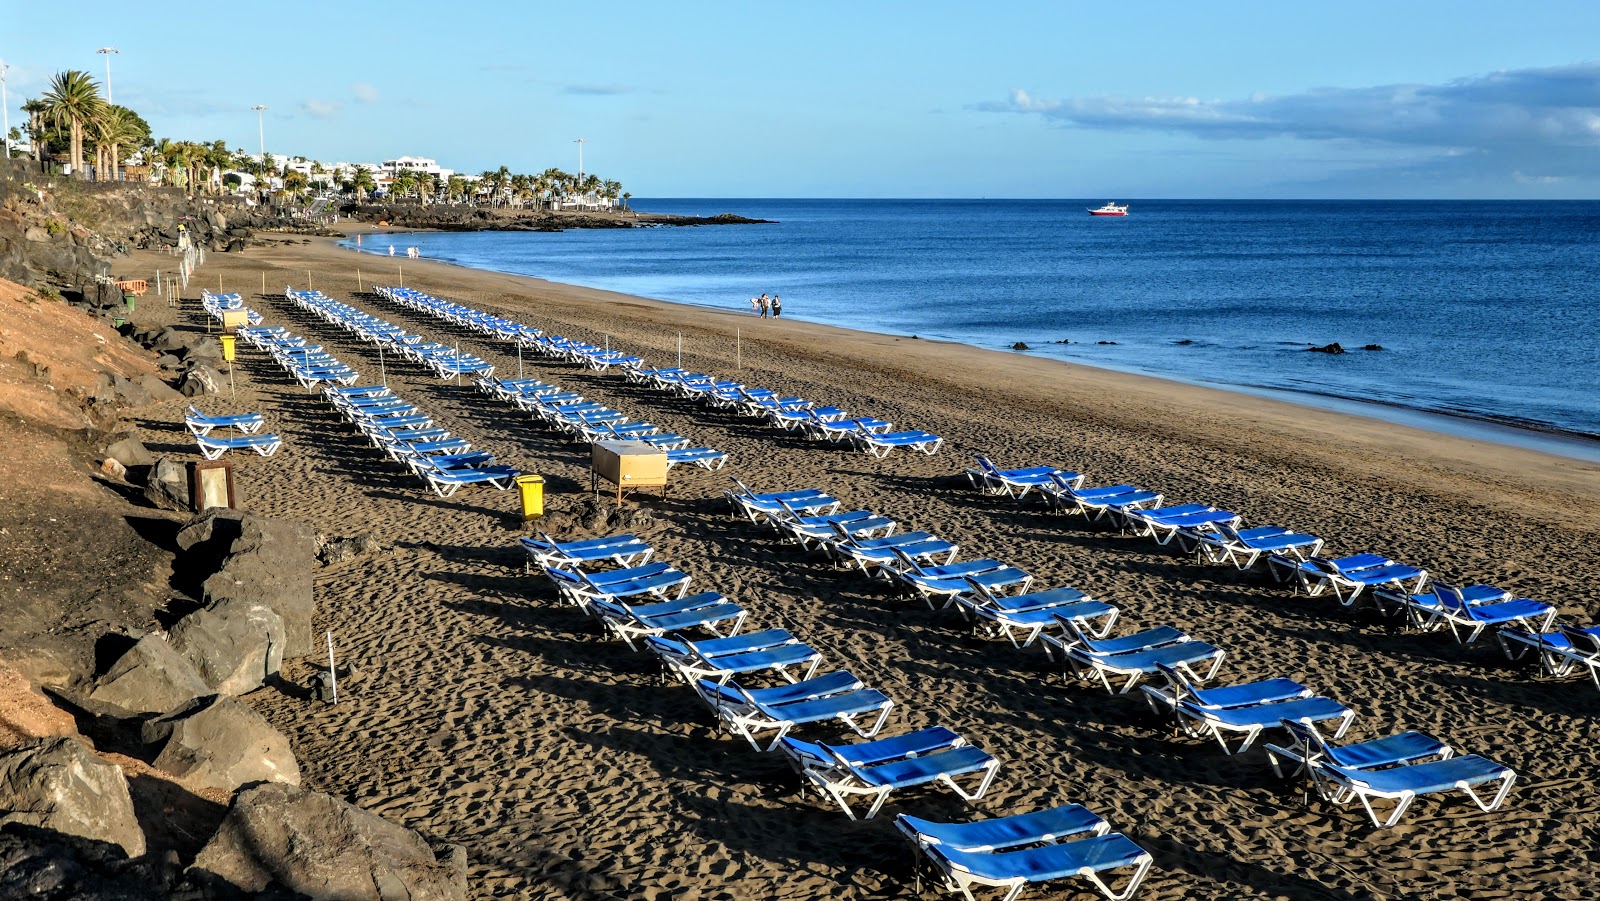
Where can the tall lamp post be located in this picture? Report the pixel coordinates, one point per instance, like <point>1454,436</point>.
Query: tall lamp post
<point>5,111</point>
<point>261,131</point>
<point>580,142</point>
<point>106,52</point>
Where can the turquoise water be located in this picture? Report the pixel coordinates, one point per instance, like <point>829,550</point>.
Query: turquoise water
<point>1484,310</point>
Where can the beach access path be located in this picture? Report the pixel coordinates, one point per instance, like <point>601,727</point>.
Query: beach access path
<point>492,717</point>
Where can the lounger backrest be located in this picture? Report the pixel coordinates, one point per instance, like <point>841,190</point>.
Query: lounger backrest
<point>987,465</point>
<point>1583,641</point>
<point>1307,739</point>
<point>1182,689</point>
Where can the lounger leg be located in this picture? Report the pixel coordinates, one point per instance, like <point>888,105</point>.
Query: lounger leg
<point>1499,798</point>
<point>1127,890</point>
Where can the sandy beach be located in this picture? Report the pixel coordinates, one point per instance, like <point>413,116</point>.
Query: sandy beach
<point>490,716</point>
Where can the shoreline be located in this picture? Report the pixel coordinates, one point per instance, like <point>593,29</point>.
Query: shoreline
<point>1506,431</point>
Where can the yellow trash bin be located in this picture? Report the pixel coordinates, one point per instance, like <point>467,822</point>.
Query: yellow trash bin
<point>531,489</point>
<point>227,347</point>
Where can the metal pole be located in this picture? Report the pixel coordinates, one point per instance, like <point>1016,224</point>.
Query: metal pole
<point>680,350</point>
<point>263,283</point>
<point>358,281</point>
<point>261,128</point>
<point>333,674</point>
<point>402,274</point>
<point>382,373</point>
<point>5,108</point>
<point>106,52</point>
<point>308,279</point>
<point>519,359</point>
<point>738,349</point>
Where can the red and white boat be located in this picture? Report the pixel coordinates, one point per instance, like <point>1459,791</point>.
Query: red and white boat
<point>1110,209</point>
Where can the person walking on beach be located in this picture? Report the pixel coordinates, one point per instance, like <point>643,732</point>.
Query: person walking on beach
<point>755,305</point>
<point>777,307</point>
<point>766,305</point>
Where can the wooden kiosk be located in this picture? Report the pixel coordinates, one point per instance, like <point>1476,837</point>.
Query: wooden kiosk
<point>628,465</point>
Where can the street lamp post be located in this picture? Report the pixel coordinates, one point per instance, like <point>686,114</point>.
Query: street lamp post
<point>5,111</point>
<point>261,130</point>
<point>580,142</point>
<point>106,52</point>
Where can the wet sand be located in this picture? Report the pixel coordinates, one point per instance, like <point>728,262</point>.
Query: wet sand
<point>491,716</point>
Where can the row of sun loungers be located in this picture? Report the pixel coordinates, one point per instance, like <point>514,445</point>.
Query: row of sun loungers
<point>871,435</point>
<point>216,305</point>
<point>584,420</point>
<point>648,604</point>
<point>446,362</point>
<point>565,411</point>
<point>400,429</point>
<point>1522,625</point>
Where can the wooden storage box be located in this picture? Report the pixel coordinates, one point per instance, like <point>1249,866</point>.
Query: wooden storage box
<point>629,464</point>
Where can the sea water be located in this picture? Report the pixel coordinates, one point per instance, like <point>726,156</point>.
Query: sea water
<point>1483,310</point>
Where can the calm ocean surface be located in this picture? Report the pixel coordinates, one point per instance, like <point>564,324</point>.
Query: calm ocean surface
<point>1485,310</point>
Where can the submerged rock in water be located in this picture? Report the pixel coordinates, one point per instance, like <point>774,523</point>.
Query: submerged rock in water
<point>1021,345</point>
<point>1334,348</point>
<point>1105,342</point>
<point>1373,347</point>
<point>1185,341</point>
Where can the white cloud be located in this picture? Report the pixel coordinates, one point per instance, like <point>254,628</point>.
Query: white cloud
<point>365,93</point>
<point>320,109</point>
<point>1508,122</point>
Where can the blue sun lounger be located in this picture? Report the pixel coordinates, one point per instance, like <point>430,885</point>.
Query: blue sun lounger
<point>1016,851</point>
<point>244,423</point>
<point>828,529</point>
<point>877,556</point>
<point>835,696</point>
<point>213,448</point>
<point>1391,750</point>
<point>445,482</point>
<point>760,507</point>
<point>1166,523</point>
<point>1132,657</point>
<point>623,550</point>
<point>951,580</point>
<point>1096,503</point>
<point>1349,576</point>
<point>1249,709</point>
<point>874,769</point>
<point>991,479</point>
<point>579,587</point>
<point>1244,548</point>
<point>879,445</point>
<point>707,610</point>
<point>704,457</point>
<point>1401,784</point>
<point>1023,618</point>
<point>1472,610</point>
<point>1560,650</point>
<point>720,659</point>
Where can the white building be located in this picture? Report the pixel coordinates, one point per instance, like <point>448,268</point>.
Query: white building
<point>421,165</point>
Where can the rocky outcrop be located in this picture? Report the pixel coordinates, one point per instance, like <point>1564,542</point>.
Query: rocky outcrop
<point>322,847</point>
<point>235,645</point>
<point>1334,348</point>
<point>60,785</point>
<point>151,677</point>
<point>130,452</point>
<point>460,217</point>
<point>218,742</point>
<point>168,486</point>
<point>270,564</point>
<point>200,380</point>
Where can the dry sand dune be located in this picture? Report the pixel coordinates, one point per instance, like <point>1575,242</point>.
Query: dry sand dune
<point>492,716</point>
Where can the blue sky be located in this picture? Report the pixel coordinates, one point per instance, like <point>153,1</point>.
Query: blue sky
<point>835,99</point>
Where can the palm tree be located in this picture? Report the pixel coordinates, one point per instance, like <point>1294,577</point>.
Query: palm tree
<point>626,196</point>
<point>112,130</point>
<point>405,181</point>
<point>455,188</point>
<point>364,183</point>
<point>73,99</point>
<point>37,111</point>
